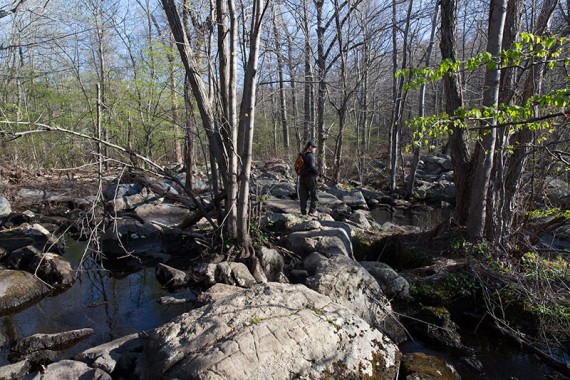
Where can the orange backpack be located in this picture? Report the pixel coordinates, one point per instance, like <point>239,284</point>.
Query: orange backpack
<point>299,163</point>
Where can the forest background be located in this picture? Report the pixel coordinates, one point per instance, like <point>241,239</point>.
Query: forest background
<point>165,83</point>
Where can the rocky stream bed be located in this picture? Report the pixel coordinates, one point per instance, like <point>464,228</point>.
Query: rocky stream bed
<point>155,300</point>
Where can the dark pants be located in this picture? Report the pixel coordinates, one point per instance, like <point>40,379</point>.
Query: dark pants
<point>308,188</point>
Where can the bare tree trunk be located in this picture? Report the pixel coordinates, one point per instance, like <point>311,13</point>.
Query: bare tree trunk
<point>309,122</point>
<point>294,110</point>
<point>199,89</point>
<point>322,87</point>
<point>421,108</point>
<point>189,137</point>
<point>102,75</point>
<point>397,91</point>
<point>485,150</point>
<point>247,116</point>
<point>521,140</point>
<point>458,139</point>
<point>496,202</point>
<point>280,71</point>
<point>228,127</point>
<point>174,104</point>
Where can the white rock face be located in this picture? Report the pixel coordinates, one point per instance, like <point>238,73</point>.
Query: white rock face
<point>270,331</point>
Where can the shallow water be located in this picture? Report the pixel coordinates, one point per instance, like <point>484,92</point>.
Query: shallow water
<point>425,218</point>
<point>500,359</point>
<point>113,307</point>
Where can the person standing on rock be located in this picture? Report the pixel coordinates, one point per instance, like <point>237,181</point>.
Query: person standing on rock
<point>308,186</point>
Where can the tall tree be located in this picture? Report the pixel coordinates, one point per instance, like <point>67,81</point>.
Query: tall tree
<point>458,138</point>
<point>485,150</point>
<point>230,137</point>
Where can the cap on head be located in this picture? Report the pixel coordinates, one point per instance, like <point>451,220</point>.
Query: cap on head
<point>311,143</point>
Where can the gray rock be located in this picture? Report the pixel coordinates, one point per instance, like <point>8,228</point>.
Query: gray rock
<point>557,191</point>
<point>229,273</point>
<point>371,196</point>
<point>15,371</point>
<point>270,331</point>
<point>346,282</point>
<point>32,193</point>
<point>326,240</point>
<point>283,190</point>
<point>49,267</point>
<point>360,220</point>
<point>18,290</point>
<point>392,284</point>
<point>25,235</point>
<point>217,292</point>
<point>164,214</point>
<point>272,263</point>
<point>110,355</point>
<point>69,370</point>
<point>40,342</point>
<point>279,222</point>
<point>126,203</point>
<point>328,200</point>
<point>234,274</point>
<point>127,238</point>
<point>353,199</point>
<point>116,191</point>
<point>170,277</point>
<point>5,208</point>
<point>285,206</point>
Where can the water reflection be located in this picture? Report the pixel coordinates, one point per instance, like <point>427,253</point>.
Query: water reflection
<point>424,217</point>
<point>113,307</point>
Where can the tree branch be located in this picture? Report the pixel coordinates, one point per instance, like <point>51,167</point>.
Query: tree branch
<point>565,113</point>
<point>4,13</point>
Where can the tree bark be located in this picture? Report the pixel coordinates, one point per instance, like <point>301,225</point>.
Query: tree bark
<point>458,139</point>
<point>485,149</point>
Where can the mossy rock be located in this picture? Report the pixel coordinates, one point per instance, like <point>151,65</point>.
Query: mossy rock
<point>420,366</point>
<point>391,250</point>
<point>447,289</point>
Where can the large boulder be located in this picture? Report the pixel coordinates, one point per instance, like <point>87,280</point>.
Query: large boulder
<point>346,282</point>
<point>271,331</point>
<point>18,290</point>
<point>280,222</point>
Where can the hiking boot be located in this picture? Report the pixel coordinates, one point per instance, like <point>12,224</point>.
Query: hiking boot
<point>303,212</point>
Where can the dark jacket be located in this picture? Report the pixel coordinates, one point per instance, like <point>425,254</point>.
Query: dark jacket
<point>310,166</point>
